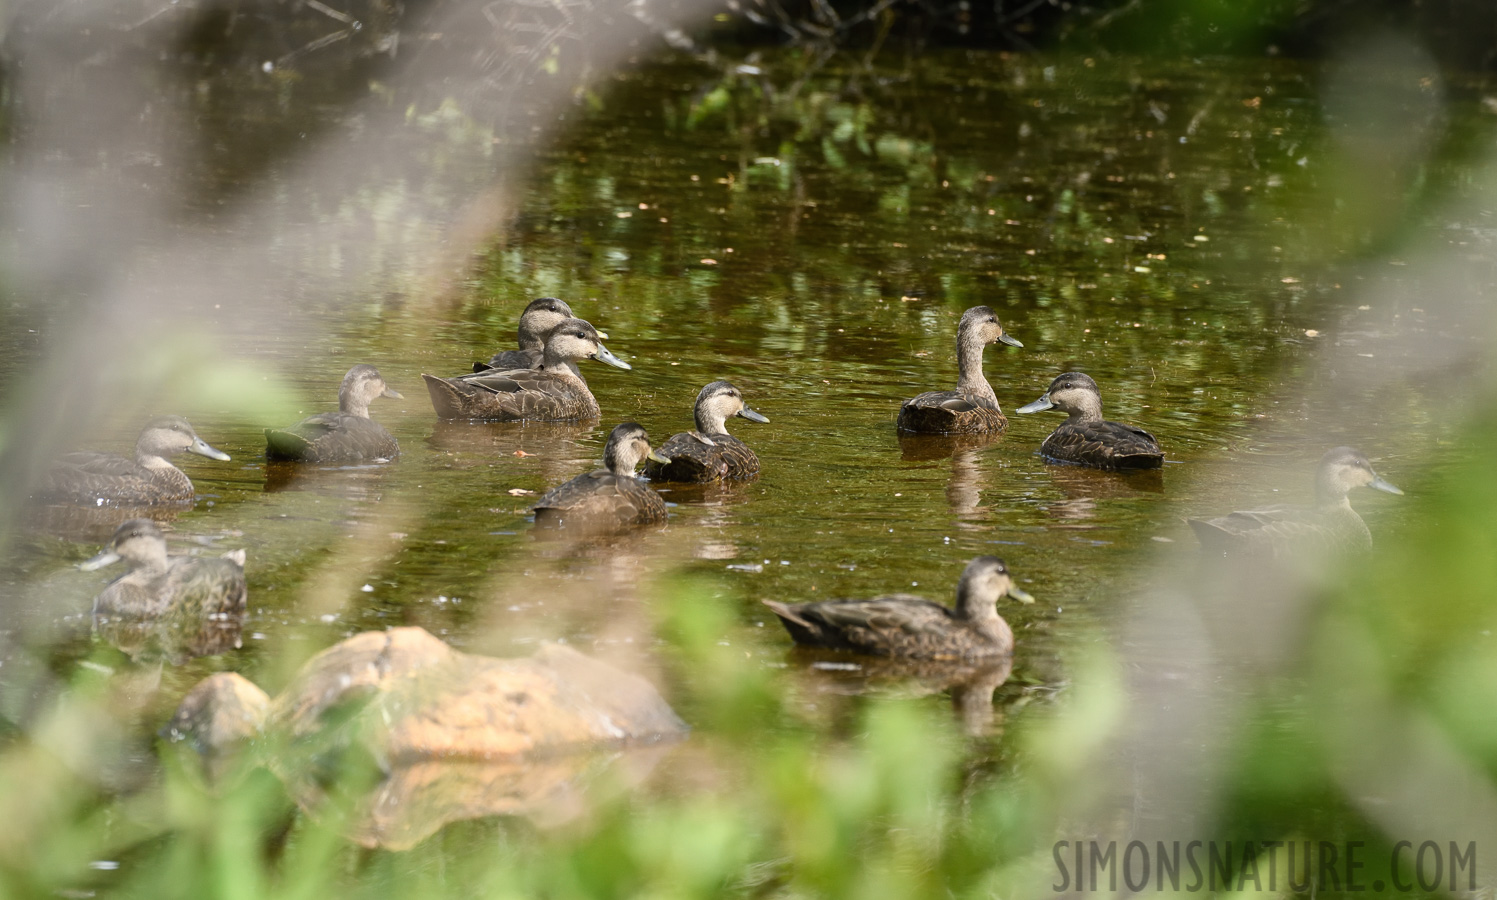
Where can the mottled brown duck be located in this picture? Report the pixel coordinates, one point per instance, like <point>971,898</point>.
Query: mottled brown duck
<point>181,605</point>
<point>611,497</point>
<point>537,322</point>
<point>1085,438</point>
<point>554,392</point>
<point>972,408</point>
<point>904,625</point>
<point>710,453</point>
<point>346,436</point>
<point>100,479</point>
<point>1330,526</point>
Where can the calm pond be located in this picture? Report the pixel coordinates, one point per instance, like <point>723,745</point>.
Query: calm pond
<point>812,234</point>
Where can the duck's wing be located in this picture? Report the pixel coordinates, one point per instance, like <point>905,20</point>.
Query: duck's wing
<point>1269,527</point>
<point>515,359</point>
<point>86,476</point>
<point>332,437</point>
<point>600,498</point>
<point>881,620</point>
<point>511,395</point>
<point>1104,444</point>
<point>691,460</point>
<point>90,463</point>
<point>949,412</point>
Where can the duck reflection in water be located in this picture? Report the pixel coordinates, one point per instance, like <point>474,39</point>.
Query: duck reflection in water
<point>968,480</point>
<point>971,686</point>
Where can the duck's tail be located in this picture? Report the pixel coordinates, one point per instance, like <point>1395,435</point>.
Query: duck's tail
<point>285,445</point>
<point>446,399</point>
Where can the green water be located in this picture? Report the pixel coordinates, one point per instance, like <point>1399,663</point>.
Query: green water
<point>1163,226</point>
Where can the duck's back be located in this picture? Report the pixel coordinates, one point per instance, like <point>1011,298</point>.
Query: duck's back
<point>1105,445</point>
<point>332,438</point>
<point>889,625</point>
<point>513,395</point>
<point>194,608</point>
<point>950,412</point>
<point>1281,531</point>
<point>517,359</point>
<point>600,499</point>
<point>88,477</point>
<point>691,460</point>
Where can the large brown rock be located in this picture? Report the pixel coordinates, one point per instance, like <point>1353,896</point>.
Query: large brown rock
<point>224,711</point>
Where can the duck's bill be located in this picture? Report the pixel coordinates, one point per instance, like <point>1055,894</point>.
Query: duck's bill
<point>1039,405</point>
<point>1020,595</point>
<point>754,416</point>
<point>1010,340</point>
<point>660,458</point>
<point>603,356</point>
<point>201,448</point>
<point>1378,484</point>
<point>393,394</point>
<point>107,558</point>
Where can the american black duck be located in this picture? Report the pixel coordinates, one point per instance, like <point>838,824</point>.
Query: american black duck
<point>183,605</point>
<point>904,625</point>
<point>348,435</point>
<point>972,408</point>
<point>1085,438</point>
<point>1331,525</point>
<point>554,392</point>
<point>537,322</point>
<point>709,453</point>
<point>149,479</point>
<point>610,497</point>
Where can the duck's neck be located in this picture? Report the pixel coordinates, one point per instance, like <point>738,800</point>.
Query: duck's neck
<point>560,365</point>
<point>151,459</point>
<point>353,405</point>
<point>980,610</point>
<point>529,340</point>
<point>710,421</point>
<point>620,464</point>
<point>970,379</point>
<point>149,559</point>
<point>1088,409</point>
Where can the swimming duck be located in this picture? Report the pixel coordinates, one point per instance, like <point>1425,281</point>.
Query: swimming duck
<point>709,453</point>
<point>1330,525</point>
<point>148,479</point>
<point>611,496</point>
<point>193,605</point>
<point>1086,438</point>
<point>348,435</point>
<point>973,407</point>
<point>554,392</point>
<point>907,626</point>
<point>537,322</point>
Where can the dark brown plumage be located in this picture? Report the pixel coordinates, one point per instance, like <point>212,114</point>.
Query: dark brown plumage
<point>972,408</point>
<point>99,479</point>
<point>554,392</point>
<point>610,497</point>
<point>539,319</point>
<point>348,435</point>
<point>904,625</point>
<point>1330,526</point>
<point>710,453</point>
<point>171,606</point>
<point>1085,438</point>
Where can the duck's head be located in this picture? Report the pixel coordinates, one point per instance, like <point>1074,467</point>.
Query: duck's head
<point>1341,469</point>
<point>985,580</point>
<point>1073,393</point>
<point>361,386</point>
<point>137,541</point>
<point>576,339</point>
<point>980,327</point>
<point>540,318</point>
<point>717,403</point>
<point>628,446</point>
<point>170,435</point>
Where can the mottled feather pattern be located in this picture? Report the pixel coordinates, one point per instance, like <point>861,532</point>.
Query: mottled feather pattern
<point>517,359</point>
<point>88,477</point>
<point>1281,531</point>
<point>1105,445</point>
<point>890,625</point>
<point>196,607</point>
<point>512,396</point>
<point>950,412</point>
<point>332,438</point>
<point>691,460</point>
<point>600,499</point>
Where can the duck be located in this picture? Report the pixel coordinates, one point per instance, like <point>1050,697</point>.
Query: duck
<point>1331,525</point>
<point>911,627</point>
<point>972,408</point>
<point>348,435</point>
<point>1087,439</point>
<point>554,392</point>
<point>539,319</point>
<point>611,496</point>
<point>193,605</point>
<point>710,453</point>
<point>150,479</point>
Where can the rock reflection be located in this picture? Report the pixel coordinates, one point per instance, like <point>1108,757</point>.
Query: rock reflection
<point>971,685</point>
